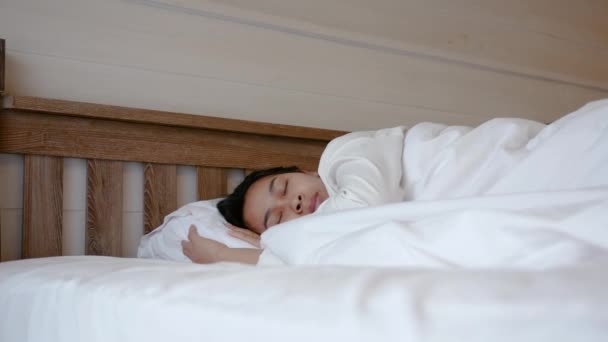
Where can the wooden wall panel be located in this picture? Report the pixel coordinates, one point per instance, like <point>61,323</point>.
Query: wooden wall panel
<point>212,182</point>
<point>160,193</point>
<point>42,206</point>
<point>508,36</point>
<point>104,208</point>
<point>342,64</point>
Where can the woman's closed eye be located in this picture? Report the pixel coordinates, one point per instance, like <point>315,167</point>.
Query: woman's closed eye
<point>279,217</point>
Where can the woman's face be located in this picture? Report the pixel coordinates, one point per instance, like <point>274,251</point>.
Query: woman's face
<point>279,198</point>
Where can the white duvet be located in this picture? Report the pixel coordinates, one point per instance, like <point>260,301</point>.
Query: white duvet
<point>510,193</point>
<point>73,299</point>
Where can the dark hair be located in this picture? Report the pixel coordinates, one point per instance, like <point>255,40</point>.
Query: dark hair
<point>231,207</point>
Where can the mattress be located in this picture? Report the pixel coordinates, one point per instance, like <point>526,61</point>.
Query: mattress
<point>118,299</point>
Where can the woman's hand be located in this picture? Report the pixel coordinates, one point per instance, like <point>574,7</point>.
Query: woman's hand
<point>202,250</point>
<point>246,235</point>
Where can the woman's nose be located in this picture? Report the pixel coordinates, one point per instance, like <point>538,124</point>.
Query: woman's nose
<point>297,204</point>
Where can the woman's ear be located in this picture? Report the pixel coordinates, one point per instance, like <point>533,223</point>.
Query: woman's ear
<point>311,173</point>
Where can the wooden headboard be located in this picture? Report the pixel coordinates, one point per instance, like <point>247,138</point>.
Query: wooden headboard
<point>2,55</point>
<point>45,131</point>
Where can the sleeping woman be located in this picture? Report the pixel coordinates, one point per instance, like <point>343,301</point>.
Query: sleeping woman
<point>356,170</point>
<point>426,162</point>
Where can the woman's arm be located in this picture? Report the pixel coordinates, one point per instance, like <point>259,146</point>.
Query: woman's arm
<point>205,251</point>
<point>242,255</point>
<point>363,169</point>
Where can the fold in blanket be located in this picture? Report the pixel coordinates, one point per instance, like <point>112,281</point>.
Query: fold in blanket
<point>509,193</point>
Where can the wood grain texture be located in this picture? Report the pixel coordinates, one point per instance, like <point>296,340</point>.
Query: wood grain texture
<point>104,208</point>
<point>160,194</point>
<point>167,118</point>
<point>212,182</point>
<point>49,134</point>
<point>42,206</point>
<point>2,59</point>
<point>335,85</point>
<point>509,37</point>
<point>108,142</point>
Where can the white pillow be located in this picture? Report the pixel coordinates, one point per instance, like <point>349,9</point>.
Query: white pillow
<point>164,242</point>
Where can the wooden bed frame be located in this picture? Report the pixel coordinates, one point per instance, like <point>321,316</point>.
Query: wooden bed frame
<point>46,130</point>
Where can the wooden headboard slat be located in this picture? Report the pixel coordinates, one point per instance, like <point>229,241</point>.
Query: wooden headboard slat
<point>42,206</point>
<point>104,208</point>
<point>160,194</point>
<point>165,118</point>
<point>58,135</point>
<point>2,59</point>
<point>212,182</point>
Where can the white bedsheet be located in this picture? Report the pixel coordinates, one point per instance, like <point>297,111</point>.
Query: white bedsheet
<point>510,193</point>
<point>92,299</point>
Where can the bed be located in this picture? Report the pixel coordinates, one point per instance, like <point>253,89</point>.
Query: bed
<point>104,296</point>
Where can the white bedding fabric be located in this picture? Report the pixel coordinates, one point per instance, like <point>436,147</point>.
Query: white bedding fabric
<point>510,193</point>
<point>525,231</point>
<point>518,254</point>
<point>165,242</point>
<point>504,156</point>
<point>103,299</point>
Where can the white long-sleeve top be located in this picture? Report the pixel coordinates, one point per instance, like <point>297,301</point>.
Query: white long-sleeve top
<point>363,169</point>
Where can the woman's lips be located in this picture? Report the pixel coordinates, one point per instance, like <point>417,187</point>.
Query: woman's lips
<point>314,203</point>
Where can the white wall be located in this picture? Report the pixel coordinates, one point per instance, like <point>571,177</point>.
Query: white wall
<point>341,64</point>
